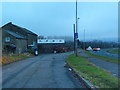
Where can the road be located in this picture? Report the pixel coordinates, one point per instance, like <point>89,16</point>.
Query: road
<point>103,52</point>
<point>44,71</point>
<point>109,66</point>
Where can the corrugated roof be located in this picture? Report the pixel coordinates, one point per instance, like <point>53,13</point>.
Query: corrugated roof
<point>24,29</point>
<point>14,34</point>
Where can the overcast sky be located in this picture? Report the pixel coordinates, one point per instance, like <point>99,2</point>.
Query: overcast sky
<point>100,20</point>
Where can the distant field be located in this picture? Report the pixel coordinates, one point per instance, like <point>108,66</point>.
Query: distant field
<point>100,78</point>
<point>114,51</point>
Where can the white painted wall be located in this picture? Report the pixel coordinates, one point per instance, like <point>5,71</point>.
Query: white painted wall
<point>51,41</point>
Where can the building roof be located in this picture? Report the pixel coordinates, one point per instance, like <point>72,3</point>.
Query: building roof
<point>14,34</point>
<point>24,29</point>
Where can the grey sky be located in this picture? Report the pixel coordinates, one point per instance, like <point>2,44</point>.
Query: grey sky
<point>100,20</point>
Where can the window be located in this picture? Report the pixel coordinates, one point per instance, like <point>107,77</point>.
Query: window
<point>34,43</point>
<point>7,39</point>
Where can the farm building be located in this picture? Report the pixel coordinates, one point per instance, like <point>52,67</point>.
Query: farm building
<point>16,39</point>
<point>51,45</point>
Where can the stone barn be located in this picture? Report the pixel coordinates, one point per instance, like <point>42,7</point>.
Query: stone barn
<point>16,39</point>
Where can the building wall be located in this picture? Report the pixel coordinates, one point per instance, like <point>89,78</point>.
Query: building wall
<point>0,44</point>
<point>4,43</point>
<point>31,39</point>
<point>0,38</point>
<point>21,45</point>
<point>45,48</point>
<point>4,35</point>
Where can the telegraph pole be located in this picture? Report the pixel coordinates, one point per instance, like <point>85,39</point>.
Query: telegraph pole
<point>76,36</point>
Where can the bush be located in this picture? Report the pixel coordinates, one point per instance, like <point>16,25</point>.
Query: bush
<point>31,51</point>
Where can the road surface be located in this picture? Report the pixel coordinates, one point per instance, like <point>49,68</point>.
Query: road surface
<point>103,52</point>
<point>45,71</point>
<point>109,66</point>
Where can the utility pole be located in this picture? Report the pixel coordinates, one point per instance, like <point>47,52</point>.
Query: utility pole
<point>76,36</point>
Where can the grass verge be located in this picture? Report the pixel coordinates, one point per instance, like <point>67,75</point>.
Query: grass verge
<point>103,57</point>
<point>12,58</point>
<point>97,76</point>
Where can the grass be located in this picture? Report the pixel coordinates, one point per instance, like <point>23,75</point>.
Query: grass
<point>114,51</point>
<point>103,57</point>
<point>12,58</point>
<point>97,76</point>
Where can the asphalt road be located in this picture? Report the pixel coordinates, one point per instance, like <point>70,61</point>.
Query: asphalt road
<point>109,66</point>
<point>103,52</point>
<point>45,71</point>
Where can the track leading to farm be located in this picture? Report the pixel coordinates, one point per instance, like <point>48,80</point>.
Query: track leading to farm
<point>45,71</point>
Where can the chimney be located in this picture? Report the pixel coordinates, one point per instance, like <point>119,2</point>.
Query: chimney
<point>10,23</point>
